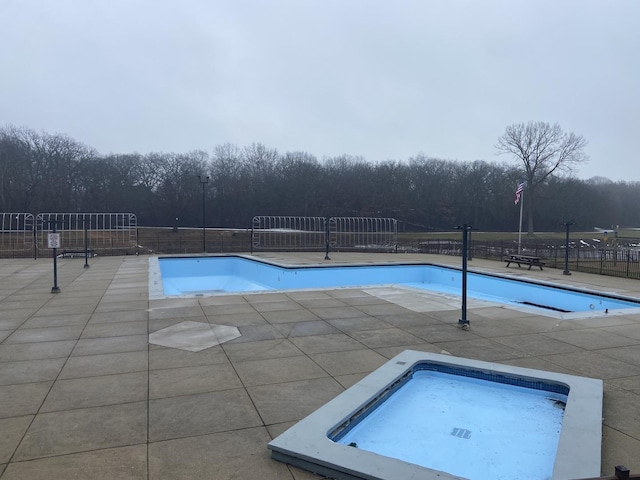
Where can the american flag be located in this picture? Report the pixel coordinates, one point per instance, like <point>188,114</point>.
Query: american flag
<point>519,190</point>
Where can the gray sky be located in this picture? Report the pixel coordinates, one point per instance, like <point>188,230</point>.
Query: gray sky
<point>384,79</point>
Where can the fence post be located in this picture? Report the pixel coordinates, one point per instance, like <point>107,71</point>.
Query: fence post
<point>326,238</point>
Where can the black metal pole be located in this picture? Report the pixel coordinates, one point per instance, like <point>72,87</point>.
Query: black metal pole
<point>86,242</point>
<point>326,239</point>
<point>566,250</point>
<point>204,181</point>
<point>464,322</point>
<point>55,288</point>
<point>204,222</point>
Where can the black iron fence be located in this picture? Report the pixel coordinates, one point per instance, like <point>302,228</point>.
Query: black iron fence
<point>614,261</point>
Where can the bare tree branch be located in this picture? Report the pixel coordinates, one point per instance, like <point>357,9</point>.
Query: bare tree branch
<point>544,151</point>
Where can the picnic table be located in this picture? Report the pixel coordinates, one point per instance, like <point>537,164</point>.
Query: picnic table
<point>524,260</point>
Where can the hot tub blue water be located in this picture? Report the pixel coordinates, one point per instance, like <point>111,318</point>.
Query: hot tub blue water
<point>210,275</point>
<point>472,427</point>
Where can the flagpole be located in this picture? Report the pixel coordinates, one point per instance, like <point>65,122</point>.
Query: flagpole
<point>520,227</point>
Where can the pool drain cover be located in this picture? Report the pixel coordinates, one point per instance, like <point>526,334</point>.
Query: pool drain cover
<point>461,433</point>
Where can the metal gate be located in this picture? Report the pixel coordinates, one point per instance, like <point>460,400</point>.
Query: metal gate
<point>363,233</point>
<point>314,233</point>
<point>107,233</point>
<point>16,235</point>
<point>288,233</point>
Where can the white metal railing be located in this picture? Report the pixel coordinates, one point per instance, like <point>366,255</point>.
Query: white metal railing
<point>288,233</point>
<point>114,232</point>
<point>295,233</point>
<point>363,233</point>
<point>16,234</point>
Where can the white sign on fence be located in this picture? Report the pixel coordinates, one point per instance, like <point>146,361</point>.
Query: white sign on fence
<point>53,240</point>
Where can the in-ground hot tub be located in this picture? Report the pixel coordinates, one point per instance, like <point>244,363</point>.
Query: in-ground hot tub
<point>429,416</point>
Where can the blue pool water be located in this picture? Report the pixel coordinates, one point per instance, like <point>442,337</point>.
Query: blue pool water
<point>210,275</point>
<point>471,427</point>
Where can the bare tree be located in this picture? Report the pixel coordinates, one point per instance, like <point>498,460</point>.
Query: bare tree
<point>545,151</point>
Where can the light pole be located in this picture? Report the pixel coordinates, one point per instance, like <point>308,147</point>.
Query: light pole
<point>203,181</point>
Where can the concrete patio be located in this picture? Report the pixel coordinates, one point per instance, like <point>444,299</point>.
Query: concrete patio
<point>83,394</point>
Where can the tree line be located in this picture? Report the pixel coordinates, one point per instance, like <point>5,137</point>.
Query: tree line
<point>44,172</point>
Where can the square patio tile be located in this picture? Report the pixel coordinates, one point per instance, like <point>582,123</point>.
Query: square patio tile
<point>594,365</point>
<point>287,316</point>
<point>119,317</point>
<point>622,411</point>
<point>303,329</point>
<point>332,313</point>
<point>619,449</point>
<point>57,321</point>
<point>30,371</point>
<point>592,338</point>
<point>160,358</point>
<point>354,361</point>
<point>12,431</point>
<point>255,333</point>
<point>96,391</point>
<point>53,334</point>
<point>534,344</point>
<point>201,414</point>
<point>276,306</point>
<point>181,312</point>
<point>239,352</point>
<point>278,370</point>
<point>231,308</point>
<point>385,337</point>
<point>123,463</point>
<point>292,401</point>
<point>115,329</point>
<point>82,430</point>
<point>23,399</point>
<point>173,382</point>
<point>480,349</point>
<point>327,343</point>
<point>105,364</point>
<point>237,319</point>
<point>626,354</point>
<point>96,346</point>
<point>441,333</point>
<point>227,455</point>
<point>359,323</point>
<point>36,351</point>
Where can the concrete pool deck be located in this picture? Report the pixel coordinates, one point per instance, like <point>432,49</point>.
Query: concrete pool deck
<point>84,395</point>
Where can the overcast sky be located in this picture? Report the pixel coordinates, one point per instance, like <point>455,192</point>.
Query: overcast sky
<point>383,79</point>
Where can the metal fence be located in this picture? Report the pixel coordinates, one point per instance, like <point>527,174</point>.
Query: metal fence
<point>314,233</point>
<point>363,233</point>
<point>288,233</point>
<point>23,235</point>
<point>17,235</point>
<point>612,261</point>
<point>107,233</point>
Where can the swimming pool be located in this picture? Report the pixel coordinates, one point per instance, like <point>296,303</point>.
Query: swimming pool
<point>437,410</point>
<point>462,417</point>
<point>190,276</point>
